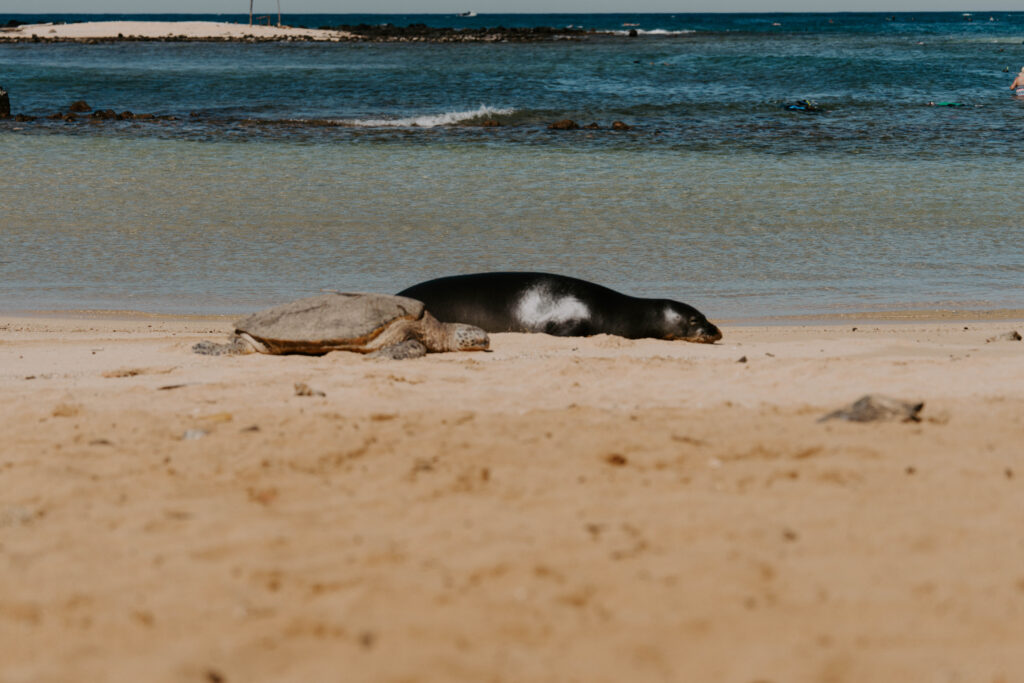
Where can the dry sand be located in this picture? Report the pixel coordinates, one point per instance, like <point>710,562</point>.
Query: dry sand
<point>558,510</point>
<point>188,30</point>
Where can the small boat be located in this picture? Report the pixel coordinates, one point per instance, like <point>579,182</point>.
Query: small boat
<point>470,13</point>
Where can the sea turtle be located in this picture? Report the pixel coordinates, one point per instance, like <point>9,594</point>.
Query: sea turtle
<point>377,324</point>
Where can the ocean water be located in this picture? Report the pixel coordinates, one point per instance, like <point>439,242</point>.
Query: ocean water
<point>294,167</point>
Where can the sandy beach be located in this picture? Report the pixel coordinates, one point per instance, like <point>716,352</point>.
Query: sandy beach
<point>157,30</point>
<point>559,509</point>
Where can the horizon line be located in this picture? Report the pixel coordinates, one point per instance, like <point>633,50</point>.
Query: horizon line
<point>484,14</point>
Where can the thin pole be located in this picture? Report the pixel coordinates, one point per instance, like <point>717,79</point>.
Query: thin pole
<point>250,12</point>
<point>279,13</point>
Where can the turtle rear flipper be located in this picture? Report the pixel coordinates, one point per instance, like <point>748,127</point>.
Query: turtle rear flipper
<point>410,348</point>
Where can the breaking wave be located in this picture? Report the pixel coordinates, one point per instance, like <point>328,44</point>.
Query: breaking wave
<point>430,121</point>
<point>653,32</point>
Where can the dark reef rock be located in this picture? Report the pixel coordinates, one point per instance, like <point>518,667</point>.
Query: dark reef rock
<point>564,124</point>
<point>79,106</point>
<point>490,123</point>
<point>592,126</point>
<point>432,34</point>
<point>24,118</point>
<point>619,125</point>
<point>5,103</point>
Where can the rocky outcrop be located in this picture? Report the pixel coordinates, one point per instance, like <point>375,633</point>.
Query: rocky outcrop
<point>433,34</point>
<point>5,103</point>
<point>564,124</point>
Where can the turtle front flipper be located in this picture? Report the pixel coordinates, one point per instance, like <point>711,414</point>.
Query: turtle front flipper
<point>410,348</point>
<point>237,345</point>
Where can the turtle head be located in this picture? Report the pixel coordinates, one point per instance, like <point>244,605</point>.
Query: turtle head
<point>469,338</point>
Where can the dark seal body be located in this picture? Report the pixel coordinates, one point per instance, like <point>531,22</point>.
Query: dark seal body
<point>558,305</point>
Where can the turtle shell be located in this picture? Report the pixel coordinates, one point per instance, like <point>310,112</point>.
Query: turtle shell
<point>328,322</point>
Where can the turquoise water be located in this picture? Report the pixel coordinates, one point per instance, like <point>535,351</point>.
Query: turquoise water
<point>362,167</point>
<point>181,226</point>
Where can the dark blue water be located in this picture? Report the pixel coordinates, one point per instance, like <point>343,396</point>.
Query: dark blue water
<point>720,85</point>
<point>364,165</point>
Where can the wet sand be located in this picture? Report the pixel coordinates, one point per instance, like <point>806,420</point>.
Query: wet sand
<point>557,510</point>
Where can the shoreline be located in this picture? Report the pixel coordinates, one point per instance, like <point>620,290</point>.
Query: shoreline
<point>894,316</point>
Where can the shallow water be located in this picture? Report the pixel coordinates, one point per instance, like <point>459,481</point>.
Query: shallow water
<point>302,169</point>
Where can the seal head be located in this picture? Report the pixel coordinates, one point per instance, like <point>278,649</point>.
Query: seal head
<point>679,321</point>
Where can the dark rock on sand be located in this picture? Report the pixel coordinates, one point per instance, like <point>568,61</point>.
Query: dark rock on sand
<point>79,106</point>
<point>875,408</point>
<point>1012,335</point>
<point>564,124</point>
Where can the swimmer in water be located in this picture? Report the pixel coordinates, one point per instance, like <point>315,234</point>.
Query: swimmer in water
<point>1018,84</point>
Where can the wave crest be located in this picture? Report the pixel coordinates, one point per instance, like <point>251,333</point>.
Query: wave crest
<point>654,32</point>
<point>431,120</point>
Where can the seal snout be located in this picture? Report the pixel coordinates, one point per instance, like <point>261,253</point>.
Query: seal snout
<point>706,334</point>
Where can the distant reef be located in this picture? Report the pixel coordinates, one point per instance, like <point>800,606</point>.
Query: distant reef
<point>14,31</point>
<point>384,33</point>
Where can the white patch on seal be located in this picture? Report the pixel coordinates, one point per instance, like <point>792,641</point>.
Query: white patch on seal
<point>538,307</point>
<point>671,317</point>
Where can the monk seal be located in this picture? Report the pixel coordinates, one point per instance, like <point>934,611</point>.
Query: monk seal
<point>558,305</point>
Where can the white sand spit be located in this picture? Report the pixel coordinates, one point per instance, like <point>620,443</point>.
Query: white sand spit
<point>191,30</point>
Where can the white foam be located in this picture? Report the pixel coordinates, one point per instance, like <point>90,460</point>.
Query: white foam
<point>538,307</point>
<point>654,32</point>
<point>429,121</point>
